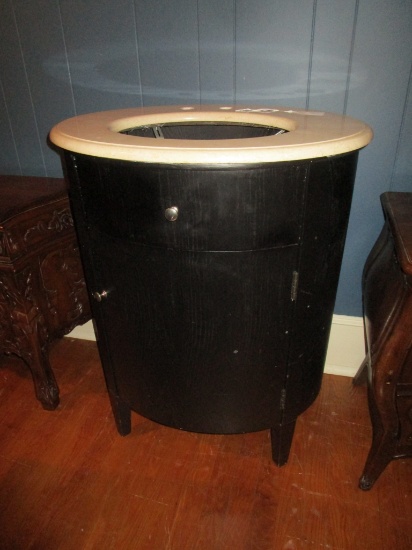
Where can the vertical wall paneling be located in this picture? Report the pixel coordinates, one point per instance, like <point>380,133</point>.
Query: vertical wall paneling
<point>402,169</point>
<point>43,51</point>
<point>59,58</point>
<point>216,50</point>
<point>382,57</point>
<point>273,51</point>
<point>168,38</point>
<point>331,54</point>
<point>312,40</point>
<point>9,159</point>
<point>18,94</point>
<point>101,47</point>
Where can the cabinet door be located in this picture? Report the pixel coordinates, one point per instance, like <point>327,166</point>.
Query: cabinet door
<point>196,340</point>
<point>325,219</point>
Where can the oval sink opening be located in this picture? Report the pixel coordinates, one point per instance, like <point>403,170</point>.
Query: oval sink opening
<point>203,130</point>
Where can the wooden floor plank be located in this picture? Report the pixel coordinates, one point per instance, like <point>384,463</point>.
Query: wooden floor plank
<point>69,481</point>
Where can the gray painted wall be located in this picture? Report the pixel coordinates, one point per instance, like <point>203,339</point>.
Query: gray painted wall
<point>59,58</point>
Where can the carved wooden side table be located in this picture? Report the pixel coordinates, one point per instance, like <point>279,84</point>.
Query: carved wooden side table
<point>387,297</point>
<point>42,290</point>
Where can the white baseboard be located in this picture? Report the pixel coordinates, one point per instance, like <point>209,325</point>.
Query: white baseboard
<point>346,349</point>
<point>83,332</point>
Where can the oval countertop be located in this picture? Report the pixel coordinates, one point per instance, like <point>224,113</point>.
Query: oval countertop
<point>309,134</point>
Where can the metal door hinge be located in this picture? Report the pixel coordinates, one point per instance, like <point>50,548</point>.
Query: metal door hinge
<point>283,399</point>
<point>294,288</point>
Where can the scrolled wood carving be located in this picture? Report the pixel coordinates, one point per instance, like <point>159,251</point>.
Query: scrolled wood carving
<point>20,306</point>
<point>59,221</point>
<point>8,246</point>
<point>64,287</point>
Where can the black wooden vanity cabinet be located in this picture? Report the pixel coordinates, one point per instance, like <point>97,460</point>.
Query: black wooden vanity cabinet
<point>213,287</point>
<point>212,239</point>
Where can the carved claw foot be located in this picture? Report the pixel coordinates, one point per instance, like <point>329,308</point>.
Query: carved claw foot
<point>48,395</point>
<point>365,483</point>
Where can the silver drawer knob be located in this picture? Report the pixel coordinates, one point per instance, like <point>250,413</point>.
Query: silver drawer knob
<point>171,213</point>
<point>98,296</point>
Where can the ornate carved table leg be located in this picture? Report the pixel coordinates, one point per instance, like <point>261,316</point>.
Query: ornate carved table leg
<point>26,334</point>
<point>387,301</point>
<point>35,354</point>
<point>384,441</point>
<point>387,386</point>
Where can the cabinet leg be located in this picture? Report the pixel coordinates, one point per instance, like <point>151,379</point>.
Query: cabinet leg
<point>281,439</point>
<point>375,465</point>
<point>122,414</point>
<point>384,442</point>
<point>32,347</point>
<point>45,386</point>
<point>380,454</point>
<point>27,334</point>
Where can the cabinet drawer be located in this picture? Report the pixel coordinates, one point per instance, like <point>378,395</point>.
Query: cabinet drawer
<point>212,209</point>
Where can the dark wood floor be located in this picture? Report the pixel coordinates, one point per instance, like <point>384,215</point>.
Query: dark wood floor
<point>69,481</point>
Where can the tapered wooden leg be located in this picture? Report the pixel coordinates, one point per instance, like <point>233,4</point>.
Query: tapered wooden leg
<point>122,414</point>
<point>384,440</point>
<point>377,461</point>
<point>281,438</point>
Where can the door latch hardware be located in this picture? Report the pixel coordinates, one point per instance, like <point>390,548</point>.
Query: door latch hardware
<point>98,296</point>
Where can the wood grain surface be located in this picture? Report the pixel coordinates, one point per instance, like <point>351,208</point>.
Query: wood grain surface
<point>69,481</point>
